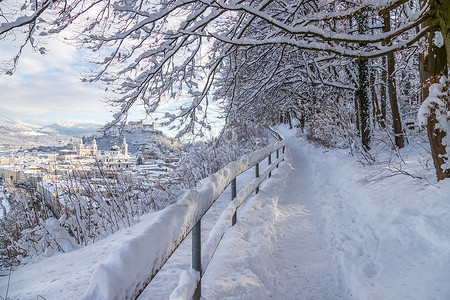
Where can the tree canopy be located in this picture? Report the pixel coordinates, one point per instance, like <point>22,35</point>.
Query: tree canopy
<point>152,48</point>
<point>254,58</point>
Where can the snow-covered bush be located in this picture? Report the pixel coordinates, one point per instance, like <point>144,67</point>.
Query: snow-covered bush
<point>331,120</point>
<point>29,229</point>
<point>205,158</point>
<point>87,210</point>
<point>98,207</point>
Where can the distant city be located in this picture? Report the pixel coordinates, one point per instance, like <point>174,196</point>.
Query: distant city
<point>138,151</point>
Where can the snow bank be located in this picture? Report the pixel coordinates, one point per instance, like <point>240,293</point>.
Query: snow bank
<point>127,269</point>
<point>187,285</point>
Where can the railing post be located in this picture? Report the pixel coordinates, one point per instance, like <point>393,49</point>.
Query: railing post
<point>270,162</point>
<point>284,147</point>
<point>278,155</point>
<point>257,175</point>
<point>233,195</point>
<point>197,257</point>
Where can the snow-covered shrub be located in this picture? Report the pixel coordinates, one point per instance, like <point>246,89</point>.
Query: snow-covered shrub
<point>97,208</point>
<point>331,121</point>
<point>87,210</point>
<point>205,158</point>
<point>29,229</point>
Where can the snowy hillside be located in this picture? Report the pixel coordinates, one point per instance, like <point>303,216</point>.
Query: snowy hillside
<point>8,123</point>
<point>323,227</point>
<point>75,129</point>
<point>16,134</point>
<point>137,140</point>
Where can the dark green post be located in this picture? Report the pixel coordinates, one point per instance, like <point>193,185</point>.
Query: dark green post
<point>197,257</point>
<point>233,195</point>
<point>269,163</point>
<point>278,155</point>
<point>257,175</point>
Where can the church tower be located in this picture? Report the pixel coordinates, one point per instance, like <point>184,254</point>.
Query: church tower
<point>124,146</point>
<point>80,148</point>
<point>94,147</point>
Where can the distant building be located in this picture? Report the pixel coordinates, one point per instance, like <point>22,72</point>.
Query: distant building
<point>124,147</point>
<point>140,125</point>
<point>132,125</point>
<point>152,126</point>
<point>11,173</point>
<point>153,155</point>
<point>117,157</point>
<point>85,150</point>
<point>79,150</point>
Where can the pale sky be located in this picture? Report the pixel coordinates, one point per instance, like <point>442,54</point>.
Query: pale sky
<point>47,88</point>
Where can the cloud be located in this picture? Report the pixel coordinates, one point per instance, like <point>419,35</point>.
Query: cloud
<point>49,86</point>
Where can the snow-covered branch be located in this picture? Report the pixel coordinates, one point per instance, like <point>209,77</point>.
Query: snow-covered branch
<point>326,47</point>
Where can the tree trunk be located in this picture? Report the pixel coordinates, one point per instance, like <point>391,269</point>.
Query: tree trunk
<point>363,103</point>
<point>440,13</point>
<point>289,118</point>
<point>435,63</point>
<point>362,94</point>
<point>382,118</point>
<point>435,137</point>
<point>373,91</point>
<point>392,90</point>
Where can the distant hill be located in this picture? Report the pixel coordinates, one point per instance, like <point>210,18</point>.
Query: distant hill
<point>75,129</point>
<point>137,138</point>
<point>15,134</point>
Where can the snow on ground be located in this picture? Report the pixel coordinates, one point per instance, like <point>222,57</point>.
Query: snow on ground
<point>388,234</point>
<point>303,258</point>
<point>323,227</point>
<point>391,236</point>
<point>341,231</point>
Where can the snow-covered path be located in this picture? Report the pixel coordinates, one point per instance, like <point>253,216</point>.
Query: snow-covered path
<point>303,262</point>
<point>325,227</point>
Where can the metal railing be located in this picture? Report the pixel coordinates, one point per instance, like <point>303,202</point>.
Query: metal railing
<point>192,206</point>
<point>237,201</point>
